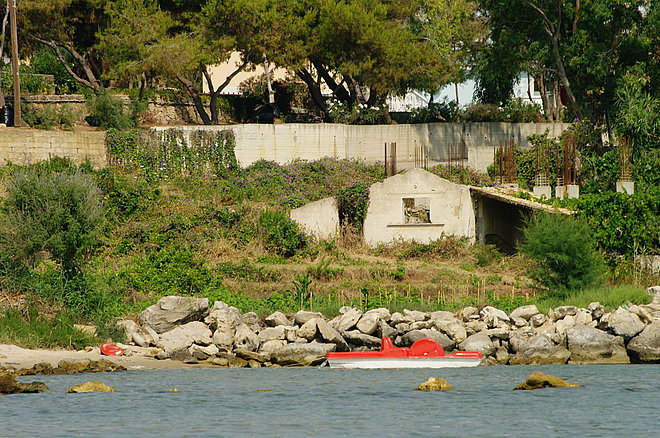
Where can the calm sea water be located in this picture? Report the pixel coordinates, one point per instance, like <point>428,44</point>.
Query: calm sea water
<point>617,401</point>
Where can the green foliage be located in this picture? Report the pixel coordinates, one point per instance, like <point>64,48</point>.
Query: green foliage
<point>168,155</point>
<point>623,224</point>
<point>125,194</point>
<point>280,234</point>
<point>564,252</point>
<point>448,247</point>
<point>170,272</point>
<point>353,202</point>
<point>107,111</point>
<point>609,296</point>
<point>60,213</point>
<point>28,329</point>
<point>245,270</point>
<point>515,111</point>
<point>444,111</point>
<point>49,117</point>
<point>462,175</point>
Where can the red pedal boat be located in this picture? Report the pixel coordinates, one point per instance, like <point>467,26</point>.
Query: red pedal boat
<point>425,353</point>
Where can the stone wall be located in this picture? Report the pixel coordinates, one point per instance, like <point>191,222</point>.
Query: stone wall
<point>286,142</point>
<point>476,142</point>
<point>26,145</point>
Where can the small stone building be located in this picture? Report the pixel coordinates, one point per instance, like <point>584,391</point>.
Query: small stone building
<point>417,205</point>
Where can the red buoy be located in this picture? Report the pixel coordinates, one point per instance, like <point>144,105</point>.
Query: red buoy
<point>111,350</point>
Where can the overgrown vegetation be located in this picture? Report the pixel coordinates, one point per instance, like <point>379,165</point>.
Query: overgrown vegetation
<point>564,251</point>
<point>202,227</point>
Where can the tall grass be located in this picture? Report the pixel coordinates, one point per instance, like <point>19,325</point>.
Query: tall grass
<point>610,296</point>
<point>28,329</point>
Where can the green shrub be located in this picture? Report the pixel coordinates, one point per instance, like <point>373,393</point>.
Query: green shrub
<point>107,111</point>
<point>353,202</point>
<point>623,224</point>
<point>48,117</point>
<point>280,234</point>
<point>564,251</point>
<point>60,213</point>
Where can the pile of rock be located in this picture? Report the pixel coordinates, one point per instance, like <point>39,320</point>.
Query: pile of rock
<point>187,329</point>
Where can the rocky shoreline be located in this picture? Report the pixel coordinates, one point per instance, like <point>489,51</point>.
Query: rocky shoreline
<point>189,330</point>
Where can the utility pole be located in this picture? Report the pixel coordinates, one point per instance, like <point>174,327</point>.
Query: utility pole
<point>14,63</point>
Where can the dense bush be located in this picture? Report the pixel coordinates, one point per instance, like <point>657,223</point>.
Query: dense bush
<point>280,234</point>
<point>444,111</point>
<point>47,118</point>
<point>564,251</point>
<point>107,111</point>
<point>59,213</point>
<point>623,224</point>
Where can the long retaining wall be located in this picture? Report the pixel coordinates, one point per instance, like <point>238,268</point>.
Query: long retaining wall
<point>474,143</point>
<point>25,146</point>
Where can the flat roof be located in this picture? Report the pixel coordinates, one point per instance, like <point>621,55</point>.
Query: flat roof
<point>500,194</point>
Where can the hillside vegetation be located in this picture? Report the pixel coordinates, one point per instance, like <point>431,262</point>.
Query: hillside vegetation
<point>92,245</point>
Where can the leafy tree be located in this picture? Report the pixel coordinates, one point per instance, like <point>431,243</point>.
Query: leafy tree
<point>582,48</point>
<point>69,28</point>
<point>362,50</point>
<point>564,251</point>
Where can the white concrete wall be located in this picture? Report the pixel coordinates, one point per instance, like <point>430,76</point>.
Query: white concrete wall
<point>451,209</point>
<point>286,142</point>
<point>319,219</point>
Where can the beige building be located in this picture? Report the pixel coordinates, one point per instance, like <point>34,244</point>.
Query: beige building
<point>220,72</point>
<point>419,206</point>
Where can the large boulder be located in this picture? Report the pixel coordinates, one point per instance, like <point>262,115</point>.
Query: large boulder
<point>359,339</point>
<point>134,333</point>
<point>277,318</point>
<point>178,340</point>
<point>654,291</point>
<point>625,323</point>
<point>645,347</point>
<point>478,342</point>
<point>370,321</point>
<point>329,334</point>
<point>272,333</point>
<point>348,319</point>
<point>415,335</point>
<point>301,354</point>
<point>245,338</point>
<point>561,312</point>
<point>302,316</point>
<point>525,312</point>
<point>172,311</point>
<point>540,350</point>
<point>592,346</point>
<point>493,317</point>
<point>415,315</point>
<point>224,320</point>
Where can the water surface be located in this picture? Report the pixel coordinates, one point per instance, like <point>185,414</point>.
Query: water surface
<point>312,402</point>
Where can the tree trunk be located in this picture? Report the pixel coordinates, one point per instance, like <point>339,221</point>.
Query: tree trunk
<point>313,88</point>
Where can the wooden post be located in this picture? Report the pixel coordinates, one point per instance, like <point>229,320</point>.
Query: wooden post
<point>14,63</point>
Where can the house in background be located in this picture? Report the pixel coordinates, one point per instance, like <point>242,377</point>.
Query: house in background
<point>419,206</point>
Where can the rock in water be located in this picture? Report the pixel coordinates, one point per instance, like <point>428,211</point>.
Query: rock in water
<point>91,387</point>
<point>538,380</point>
<point>434,384</point>
<point>9,385</point>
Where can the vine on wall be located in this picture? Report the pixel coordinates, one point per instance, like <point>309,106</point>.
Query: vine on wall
<point>169,154</point>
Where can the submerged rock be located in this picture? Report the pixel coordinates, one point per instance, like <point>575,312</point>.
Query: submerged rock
<point>73,367</point>
<point>434,384</point>
<point>9,385</point>
<point>538,380</point>
<point>90,387</point>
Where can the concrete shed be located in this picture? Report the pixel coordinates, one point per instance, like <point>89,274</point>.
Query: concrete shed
<point>420,206</point>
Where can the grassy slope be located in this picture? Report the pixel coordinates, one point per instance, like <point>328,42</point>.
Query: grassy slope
<point>202,238</point>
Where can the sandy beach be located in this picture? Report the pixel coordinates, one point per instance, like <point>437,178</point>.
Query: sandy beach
<point>17,357</point>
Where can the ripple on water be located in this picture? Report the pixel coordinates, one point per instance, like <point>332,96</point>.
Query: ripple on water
<point>291,402</point>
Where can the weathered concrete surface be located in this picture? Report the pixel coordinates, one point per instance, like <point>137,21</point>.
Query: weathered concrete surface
<point>319,219</point>
<point>450,208</point>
